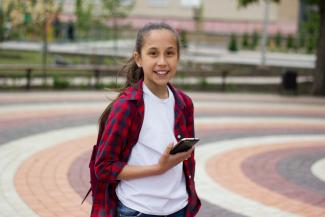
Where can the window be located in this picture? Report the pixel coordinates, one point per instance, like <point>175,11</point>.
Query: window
<point>190,3</point>
<point>158,3</point>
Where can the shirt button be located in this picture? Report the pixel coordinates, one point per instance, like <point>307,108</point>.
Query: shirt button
<point>189,176</point>
<point>178,136</point>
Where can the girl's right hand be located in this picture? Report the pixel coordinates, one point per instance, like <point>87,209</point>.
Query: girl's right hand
<point>168,161</point>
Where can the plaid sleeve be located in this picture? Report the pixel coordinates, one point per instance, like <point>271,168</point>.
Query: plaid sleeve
<point>108,162</point>
<point>190,118</point>
<point>190,129</point>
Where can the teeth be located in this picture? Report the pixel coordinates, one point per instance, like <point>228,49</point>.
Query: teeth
<point>161,72</point>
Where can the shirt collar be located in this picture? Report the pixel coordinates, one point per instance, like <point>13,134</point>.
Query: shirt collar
<point>135,92</point>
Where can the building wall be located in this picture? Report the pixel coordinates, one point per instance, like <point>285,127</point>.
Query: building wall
<point>220,16</point>
<point>287,10</point>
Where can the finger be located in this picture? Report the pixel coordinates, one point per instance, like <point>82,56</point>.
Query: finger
<point>168,149</point>
<point>191,150</point>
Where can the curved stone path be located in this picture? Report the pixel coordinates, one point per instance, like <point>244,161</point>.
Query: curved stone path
<point>259,155</point>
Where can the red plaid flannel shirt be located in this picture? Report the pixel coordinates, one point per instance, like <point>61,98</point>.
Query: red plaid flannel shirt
<point>121,133</point>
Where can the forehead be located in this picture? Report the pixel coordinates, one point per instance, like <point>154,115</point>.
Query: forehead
<point>160,38</point>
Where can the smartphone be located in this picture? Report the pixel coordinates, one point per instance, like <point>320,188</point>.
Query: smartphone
<point>184,145</point>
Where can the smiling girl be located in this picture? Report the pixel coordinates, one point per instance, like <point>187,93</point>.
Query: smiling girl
<point>136,174</point>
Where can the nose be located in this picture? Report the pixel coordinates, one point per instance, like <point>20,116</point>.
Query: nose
<point>162,60</point>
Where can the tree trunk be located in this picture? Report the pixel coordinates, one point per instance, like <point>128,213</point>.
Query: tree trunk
<point>319,74</point>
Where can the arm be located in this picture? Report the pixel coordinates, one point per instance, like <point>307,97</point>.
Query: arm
<point>114,137</point>
<point>166,162</point>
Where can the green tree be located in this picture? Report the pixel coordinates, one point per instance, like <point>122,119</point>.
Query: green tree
<point>310,28</point>
<point>83,14</point>
<point>36,14</point>
<point>319,74</point>
<point>2,25</point>
<point>114,10</point>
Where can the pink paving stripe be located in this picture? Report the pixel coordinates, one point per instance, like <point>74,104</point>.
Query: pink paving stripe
<point>268,176</point>
<point>42,180</point>
<point>36,114</point>
<point>261,111</point>
<point>226,170</point>
<point>79,176</point>
<point>39,97</point>
<point>242,127</point>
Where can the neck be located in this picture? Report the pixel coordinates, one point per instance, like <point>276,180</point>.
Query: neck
<point>160,91</point>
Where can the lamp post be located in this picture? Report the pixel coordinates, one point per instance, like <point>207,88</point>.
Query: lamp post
<point>197,9</point>
<point>2,23</point>
<point>44,40</point>
<point>265,32</point>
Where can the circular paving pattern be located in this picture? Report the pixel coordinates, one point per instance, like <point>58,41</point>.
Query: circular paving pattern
<point>259,155</point>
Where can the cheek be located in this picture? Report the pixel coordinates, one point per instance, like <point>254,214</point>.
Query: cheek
<point>174,62</point>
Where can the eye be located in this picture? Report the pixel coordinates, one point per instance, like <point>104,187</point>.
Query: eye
<point>170,53</point>
<point>152,53</point>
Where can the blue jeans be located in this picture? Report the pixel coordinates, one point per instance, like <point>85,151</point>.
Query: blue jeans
<point>124,211</point>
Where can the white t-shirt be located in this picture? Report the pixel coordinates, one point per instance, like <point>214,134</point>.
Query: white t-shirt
<point>162,194</point>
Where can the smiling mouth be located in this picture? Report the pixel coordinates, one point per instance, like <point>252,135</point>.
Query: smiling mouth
<point>161,72</point>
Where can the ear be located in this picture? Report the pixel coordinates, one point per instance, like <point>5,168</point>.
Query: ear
<point>137,59</point>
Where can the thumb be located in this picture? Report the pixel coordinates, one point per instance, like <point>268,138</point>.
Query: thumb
<point>168,148</point>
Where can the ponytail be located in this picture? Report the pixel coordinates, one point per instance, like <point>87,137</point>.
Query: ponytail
<point>133,75</point>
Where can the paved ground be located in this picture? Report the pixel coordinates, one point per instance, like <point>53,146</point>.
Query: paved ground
<point>260,155</point>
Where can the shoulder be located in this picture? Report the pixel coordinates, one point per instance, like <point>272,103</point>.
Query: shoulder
<point>186,99</point>
<point>122,105</point>
<point>126,100</point>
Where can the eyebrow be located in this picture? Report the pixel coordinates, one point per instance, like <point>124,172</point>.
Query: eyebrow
<point>155,48</point>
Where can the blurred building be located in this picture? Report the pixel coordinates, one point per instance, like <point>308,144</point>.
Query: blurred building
<point>217,16</point>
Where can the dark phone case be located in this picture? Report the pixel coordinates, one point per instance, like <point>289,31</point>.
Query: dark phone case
<point>183,146</point>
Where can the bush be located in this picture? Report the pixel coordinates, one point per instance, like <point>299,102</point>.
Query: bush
<point>232,46</point>
<point>311,44</point>
<point>245,41</point>
<point>278,39</point>
<point>183,37</point>
<point>290,42</point>
<point>60,83</point>
<point>255,40</point>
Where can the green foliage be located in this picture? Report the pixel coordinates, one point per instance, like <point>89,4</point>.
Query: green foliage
<point>2,26</point>
<point>255,39</point>
<point>84,17</point>
<point>290,42</point>
<point>278,39</point>
<point>183,38</point>
<point>60,83</point>
<point>245,41</point>
<point>203,83</point>
<point>247,2</point>
<point>116,8</point>
<point>310,31</point>
<point>233,44</point>
<point>311,44</point>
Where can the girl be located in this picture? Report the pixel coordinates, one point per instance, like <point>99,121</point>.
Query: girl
<point>136,174</point>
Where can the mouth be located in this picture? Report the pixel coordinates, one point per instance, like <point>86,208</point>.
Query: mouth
<point>161,72</point>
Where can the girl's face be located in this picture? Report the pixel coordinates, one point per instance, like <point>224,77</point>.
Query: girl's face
<point>158,59</point>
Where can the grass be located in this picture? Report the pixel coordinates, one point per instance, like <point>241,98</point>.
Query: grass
<point>33,57</point>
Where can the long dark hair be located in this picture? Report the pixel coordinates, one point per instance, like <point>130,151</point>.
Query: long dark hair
<point>131,70</point>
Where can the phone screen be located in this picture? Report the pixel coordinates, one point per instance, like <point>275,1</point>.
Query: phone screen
<point>184,145</point>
